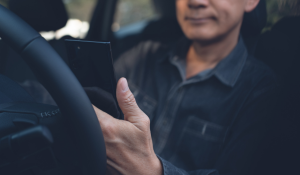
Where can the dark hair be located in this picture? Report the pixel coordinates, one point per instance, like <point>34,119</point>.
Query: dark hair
<point>165,8</point>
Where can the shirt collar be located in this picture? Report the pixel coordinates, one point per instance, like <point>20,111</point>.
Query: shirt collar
<point>227,70</point>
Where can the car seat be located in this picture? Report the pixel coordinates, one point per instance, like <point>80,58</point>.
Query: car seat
<point>167,30</point>
<point>253,23</point>
<point>279,48</point>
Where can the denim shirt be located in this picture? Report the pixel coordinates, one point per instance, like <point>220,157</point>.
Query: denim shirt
<point>210,123</point>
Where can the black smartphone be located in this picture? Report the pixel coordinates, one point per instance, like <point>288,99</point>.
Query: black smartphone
<point>92,64</point>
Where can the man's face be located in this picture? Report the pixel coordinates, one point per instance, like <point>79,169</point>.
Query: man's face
<point>208,20</point>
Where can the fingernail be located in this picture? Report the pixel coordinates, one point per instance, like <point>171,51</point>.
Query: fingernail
<point>124,85</point>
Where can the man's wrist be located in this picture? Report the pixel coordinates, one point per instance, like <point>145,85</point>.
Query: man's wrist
<point>157,166</point>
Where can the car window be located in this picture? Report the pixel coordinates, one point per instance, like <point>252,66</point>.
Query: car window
<point>80,13</point>
<point>132,11</point>
<point>80,9</point>
<point>4,2</point>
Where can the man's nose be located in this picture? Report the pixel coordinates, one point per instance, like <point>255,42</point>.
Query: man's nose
<point>195,4</point>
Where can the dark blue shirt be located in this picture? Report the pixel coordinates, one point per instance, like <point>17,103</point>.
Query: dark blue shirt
<point>211,123</point>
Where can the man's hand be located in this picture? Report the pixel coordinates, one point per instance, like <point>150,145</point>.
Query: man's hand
<point>128,142</point>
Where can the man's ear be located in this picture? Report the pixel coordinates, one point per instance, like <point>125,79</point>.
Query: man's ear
<point>250,5</point>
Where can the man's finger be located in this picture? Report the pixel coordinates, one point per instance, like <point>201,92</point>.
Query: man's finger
<point>107,123</point>
<point>127,102</point>
<point>100,114</point>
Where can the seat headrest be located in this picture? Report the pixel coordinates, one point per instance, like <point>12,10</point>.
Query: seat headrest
<point>255,21</point>
<point>42,15</point>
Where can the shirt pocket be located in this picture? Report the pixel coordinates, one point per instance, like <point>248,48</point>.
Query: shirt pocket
<point>144,101</point>
<point>199,144</point>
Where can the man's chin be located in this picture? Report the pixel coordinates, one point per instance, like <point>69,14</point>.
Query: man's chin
<point>200,33</point>
<point>205,39</point>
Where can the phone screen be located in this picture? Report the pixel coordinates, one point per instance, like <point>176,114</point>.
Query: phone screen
<point>92,64</point>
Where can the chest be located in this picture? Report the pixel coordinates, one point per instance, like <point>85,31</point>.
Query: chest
<point>189,121</point>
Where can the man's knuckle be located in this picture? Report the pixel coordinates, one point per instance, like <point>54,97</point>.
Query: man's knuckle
<point>130,100</point>
<point>108,129</point>
<point>146,120</point>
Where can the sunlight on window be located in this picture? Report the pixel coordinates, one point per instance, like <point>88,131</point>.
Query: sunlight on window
<point>74,28</point>
<point>80,12</point>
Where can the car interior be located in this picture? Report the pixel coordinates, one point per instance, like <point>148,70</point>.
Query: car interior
<point>37,137</point>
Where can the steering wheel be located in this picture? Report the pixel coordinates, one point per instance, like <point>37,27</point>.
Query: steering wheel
<point>67,92</point>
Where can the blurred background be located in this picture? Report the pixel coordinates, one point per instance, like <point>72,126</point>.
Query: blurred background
<point>132,11</point>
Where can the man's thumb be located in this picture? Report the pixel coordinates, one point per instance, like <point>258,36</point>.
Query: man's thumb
<point>127,103</point>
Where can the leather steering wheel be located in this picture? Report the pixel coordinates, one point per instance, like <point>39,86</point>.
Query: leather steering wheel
<point>58,79</point>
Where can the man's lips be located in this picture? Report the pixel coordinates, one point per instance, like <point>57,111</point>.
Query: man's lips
<point>196,20</point>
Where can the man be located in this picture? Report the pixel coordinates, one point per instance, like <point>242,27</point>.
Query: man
<point>206,98</point>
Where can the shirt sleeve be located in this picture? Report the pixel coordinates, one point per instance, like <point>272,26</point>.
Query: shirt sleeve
<point>170,169</point>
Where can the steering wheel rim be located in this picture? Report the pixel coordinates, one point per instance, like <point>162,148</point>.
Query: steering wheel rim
<point>63,86</point>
